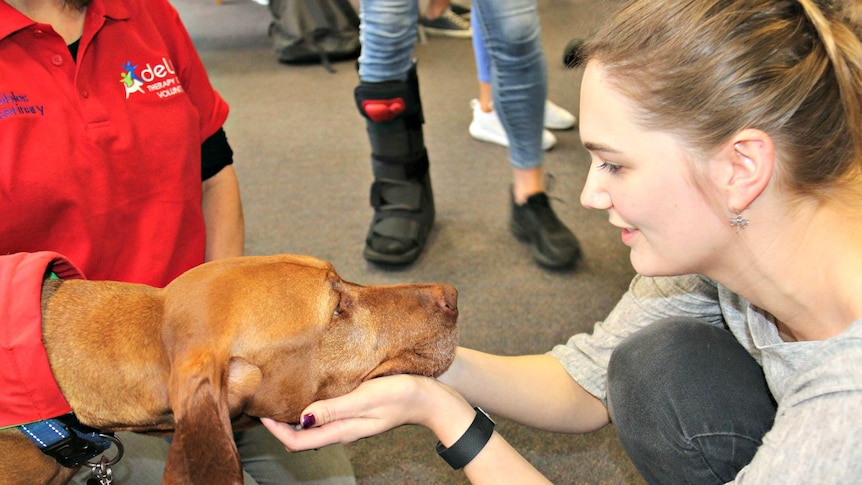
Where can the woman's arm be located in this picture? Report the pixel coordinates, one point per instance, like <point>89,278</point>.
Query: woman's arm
<point>384,403</point>
<point>534,390</point>
<point>222,208</point>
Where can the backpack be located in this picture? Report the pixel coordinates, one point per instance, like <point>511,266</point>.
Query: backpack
<point>311,31</point>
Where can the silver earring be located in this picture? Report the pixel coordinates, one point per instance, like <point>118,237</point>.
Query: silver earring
<point>738,222</point>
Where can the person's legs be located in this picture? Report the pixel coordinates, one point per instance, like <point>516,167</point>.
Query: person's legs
<point>511,34</point>
<point>268,463</point>
<point>512,37</point>
<point>486,125</point>
<point>388,98</point>
<point>387,33</point>
<point>689,402</point>
<point>264,462</point>
<point>143,461</point>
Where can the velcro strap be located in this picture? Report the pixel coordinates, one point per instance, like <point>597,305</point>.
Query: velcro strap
<point>395,227</point>
<point>389,194</point>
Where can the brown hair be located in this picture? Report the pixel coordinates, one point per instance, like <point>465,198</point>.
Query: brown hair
<point>706,69</point>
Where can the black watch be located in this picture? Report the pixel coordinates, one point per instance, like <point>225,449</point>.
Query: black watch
<point>470,443</point>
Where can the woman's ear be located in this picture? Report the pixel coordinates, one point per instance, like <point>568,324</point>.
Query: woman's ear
<point>749,167</point>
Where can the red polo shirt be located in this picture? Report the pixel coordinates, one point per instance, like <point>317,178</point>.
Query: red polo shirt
<point>100,159</point>
<point>28,391</point>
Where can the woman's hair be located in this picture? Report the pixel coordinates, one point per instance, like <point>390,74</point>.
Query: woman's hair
<point>706,69</point>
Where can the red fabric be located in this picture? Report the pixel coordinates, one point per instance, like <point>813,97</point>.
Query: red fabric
<point>100,162</point>
<point>28,391</point>
<point>101,159</point>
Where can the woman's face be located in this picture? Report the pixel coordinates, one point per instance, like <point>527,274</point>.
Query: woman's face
<point>644,180</point>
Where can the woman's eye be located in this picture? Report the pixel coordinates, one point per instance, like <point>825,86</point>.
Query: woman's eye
<point>609,167</point>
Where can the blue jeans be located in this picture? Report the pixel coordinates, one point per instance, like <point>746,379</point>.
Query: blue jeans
<point>689,402</point>
<point>512,37</point>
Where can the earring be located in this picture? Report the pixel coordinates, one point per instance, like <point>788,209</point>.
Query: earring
<point>738,222</point>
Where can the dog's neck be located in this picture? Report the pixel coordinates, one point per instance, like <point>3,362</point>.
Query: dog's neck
<point>103,329</point>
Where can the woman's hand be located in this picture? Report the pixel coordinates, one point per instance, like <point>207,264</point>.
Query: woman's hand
<point>376,406</point>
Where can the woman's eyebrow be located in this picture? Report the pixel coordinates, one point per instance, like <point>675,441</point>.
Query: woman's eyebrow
<point>598,147</point>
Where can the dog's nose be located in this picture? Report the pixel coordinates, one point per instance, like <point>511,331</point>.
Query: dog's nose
<point>447,298</point>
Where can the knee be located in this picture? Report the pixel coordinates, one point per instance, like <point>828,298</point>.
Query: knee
<point>648,354</point>
<point>387,35</point>
<point>651,369</point>
<point>520,29</point>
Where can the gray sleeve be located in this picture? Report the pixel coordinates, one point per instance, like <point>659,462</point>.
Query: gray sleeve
<point>817,434</point>
<point>585,356</point>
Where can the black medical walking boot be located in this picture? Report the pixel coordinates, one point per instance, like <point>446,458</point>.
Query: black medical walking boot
<point>401,193</point>
<point>552,243</point>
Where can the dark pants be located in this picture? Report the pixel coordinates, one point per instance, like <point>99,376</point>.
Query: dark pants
<point>690,404</point>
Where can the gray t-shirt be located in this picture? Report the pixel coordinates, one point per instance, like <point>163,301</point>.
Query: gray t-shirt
<point>817,434</point>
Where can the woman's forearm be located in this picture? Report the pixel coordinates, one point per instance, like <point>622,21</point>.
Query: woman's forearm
<point>534,390</point>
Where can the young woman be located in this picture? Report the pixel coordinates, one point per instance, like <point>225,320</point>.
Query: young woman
<point>726,144</point>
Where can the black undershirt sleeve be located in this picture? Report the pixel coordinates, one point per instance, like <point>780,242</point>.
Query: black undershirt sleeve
<point>216,153</point>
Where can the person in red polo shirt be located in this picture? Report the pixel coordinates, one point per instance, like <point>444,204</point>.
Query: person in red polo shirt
<point>113,156</point>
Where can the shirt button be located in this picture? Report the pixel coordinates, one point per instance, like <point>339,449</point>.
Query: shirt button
<point>38,32</point>
<point>85,94</point>
<point>57,60</point>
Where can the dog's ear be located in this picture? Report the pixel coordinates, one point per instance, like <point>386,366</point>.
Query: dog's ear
<point>203,450</point>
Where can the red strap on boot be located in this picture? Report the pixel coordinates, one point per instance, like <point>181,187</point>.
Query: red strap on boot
<point>379,110</point>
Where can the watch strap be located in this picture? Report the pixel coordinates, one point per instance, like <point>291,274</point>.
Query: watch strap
<point>470,443</point>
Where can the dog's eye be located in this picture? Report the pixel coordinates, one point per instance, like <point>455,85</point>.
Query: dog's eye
<point>339,308</point>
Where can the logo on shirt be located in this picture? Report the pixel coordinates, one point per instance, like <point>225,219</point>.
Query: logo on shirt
<point>17,104</point>
<point>159,78</point>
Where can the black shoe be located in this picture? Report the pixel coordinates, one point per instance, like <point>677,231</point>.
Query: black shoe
<point>460,10</point>
<point>403,217</point>
<point>553,245</point>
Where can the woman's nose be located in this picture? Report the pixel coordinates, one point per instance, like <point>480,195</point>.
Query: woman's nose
<point>593,196</point>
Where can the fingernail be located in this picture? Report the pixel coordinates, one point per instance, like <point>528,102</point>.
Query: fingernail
<point>308,421</point>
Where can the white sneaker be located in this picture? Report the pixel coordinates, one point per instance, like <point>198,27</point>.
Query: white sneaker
<point>487,127</point>
<point>557,118</point>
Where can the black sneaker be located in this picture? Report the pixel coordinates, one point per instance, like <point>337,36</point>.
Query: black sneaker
<point>553,245</point>
<point>447,24</point>
<point>460,10</point>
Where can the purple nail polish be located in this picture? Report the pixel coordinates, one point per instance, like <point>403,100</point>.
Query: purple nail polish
<point>308,421</point>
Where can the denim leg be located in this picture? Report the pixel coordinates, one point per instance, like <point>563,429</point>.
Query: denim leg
<point>519,77</point>
<point>480,52</point>
<point>689,402</point>
<point>387,32</point>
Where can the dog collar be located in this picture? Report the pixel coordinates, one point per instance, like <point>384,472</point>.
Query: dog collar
<point>66,440</point>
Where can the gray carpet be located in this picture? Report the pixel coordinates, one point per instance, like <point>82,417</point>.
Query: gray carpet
<point>302,157</point>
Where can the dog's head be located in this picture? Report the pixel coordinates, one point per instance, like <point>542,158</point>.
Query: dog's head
<point>266,336</point>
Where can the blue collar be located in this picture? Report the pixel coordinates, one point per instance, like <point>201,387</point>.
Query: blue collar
<point>66,440</point>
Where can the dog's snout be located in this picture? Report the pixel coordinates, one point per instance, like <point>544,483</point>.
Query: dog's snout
<point>447,298</point>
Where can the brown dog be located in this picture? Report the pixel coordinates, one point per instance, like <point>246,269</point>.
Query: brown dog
<point>223,343</point>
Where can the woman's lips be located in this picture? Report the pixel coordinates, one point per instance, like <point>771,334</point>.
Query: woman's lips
<point>627,235</point>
